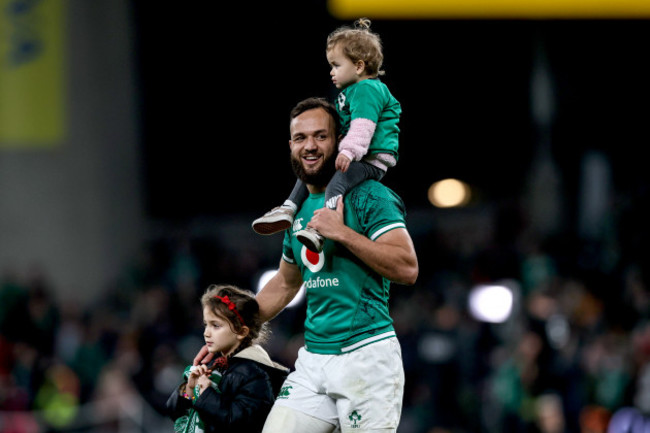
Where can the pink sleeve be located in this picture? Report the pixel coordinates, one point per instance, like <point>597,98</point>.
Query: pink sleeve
<point>356,142</point>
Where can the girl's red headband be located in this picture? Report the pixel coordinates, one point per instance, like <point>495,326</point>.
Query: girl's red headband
<point>231,306</point>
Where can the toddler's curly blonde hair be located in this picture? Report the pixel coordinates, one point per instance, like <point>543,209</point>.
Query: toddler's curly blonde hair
<point>359,43</point>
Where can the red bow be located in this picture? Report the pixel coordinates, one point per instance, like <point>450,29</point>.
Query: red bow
<point>231,306</point>
<point>226,300</point>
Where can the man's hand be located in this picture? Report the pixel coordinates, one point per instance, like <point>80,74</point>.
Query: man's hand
<point>342,163</point>
<point>328,222</point>
<point>203,357</point>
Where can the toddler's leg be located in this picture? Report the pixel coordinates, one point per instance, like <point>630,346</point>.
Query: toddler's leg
<point>297,196</point>
<point>341,182</point>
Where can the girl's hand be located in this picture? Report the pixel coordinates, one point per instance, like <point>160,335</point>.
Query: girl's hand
<point>204,382</point>
<point>198,374</point>
<point>195,373</point>
<point>342,163</point>
<point>203,370</point>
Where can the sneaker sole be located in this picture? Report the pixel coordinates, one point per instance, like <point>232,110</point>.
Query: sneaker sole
<point>309,244</point>
<point>269,228</point>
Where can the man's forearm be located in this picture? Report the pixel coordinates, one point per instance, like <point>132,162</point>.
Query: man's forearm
<point>279,291</point>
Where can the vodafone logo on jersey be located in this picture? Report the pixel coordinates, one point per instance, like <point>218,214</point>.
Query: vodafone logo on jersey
<point>313,261</point>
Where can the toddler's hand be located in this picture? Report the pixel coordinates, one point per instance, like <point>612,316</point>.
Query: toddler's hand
<point>342,163</point>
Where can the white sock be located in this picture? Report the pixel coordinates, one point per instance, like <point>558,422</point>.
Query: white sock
<point>291,205</point>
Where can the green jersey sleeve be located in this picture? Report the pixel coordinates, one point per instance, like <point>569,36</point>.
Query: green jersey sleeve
<point>378,209</point>
<point>287,251</point>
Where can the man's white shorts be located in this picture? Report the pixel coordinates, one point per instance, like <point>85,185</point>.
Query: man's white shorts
<point>358,391</point>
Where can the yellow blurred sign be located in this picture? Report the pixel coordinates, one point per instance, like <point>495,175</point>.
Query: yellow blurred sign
<point>32,108</point>
<point>490,9</point>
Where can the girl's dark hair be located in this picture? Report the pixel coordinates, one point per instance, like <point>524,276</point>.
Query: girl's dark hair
<point>245,309</point>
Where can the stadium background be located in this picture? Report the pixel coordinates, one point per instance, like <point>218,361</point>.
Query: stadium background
<point>171,136</point>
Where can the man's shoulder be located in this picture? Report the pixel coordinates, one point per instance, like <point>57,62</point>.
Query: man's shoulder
<point>372,208</point>
<point>372,186</point>
<point>372,192</point>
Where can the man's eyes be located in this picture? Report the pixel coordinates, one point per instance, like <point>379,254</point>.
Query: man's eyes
<point>301,138</point>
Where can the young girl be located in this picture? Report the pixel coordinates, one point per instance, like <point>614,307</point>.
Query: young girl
<point>368,114</point>
<point>236,391</point>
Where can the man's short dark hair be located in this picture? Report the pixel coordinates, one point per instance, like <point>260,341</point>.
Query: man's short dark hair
<point>312,103</point>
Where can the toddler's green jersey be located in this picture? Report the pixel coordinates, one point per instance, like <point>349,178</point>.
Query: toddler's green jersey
<point>370,99</point>
<point>347,302</point>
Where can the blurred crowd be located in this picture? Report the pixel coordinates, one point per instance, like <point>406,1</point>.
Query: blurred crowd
<point>575,350</point>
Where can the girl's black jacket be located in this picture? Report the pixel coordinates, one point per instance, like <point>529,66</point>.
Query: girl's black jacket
<point>248,388</point>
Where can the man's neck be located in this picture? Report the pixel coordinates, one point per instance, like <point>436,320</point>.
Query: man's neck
<point>313,189</point>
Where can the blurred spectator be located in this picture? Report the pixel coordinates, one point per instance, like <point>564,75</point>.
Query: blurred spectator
<point>549,415</point>
<point>594,419</point>
<point>575,350</point>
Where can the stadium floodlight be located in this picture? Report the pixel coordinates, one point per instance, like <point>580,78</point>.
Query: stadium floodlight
<point>267,275</point>
<point>496,9</point>
<point>448,193</point>
<point>491,303</point>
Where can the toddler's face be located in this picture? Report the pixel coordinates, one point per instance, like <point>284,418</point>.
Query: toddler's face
<point>343,71</point>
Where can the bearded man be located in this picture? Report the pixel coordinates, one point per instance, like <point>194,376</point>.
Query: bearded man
<point>349,374</point>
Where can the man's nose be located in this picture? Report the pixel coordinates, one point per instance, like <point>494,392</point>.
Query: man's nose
<point>310,143</point>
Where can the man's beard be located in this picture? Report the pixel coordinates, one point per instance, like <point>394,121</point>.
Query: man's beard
<point>320,178</point>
